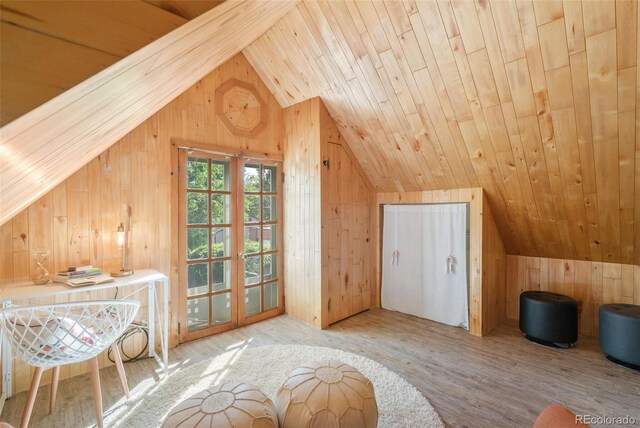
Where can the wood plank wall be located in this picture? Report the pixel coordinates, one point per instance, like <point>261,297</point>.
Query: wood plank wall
<point>302,212</point>
<point>347,248</point>
<point>77,220</point>
<point>591,283</point>
<point>494,265</point>
<point>327,244</point>
<point>487,295</point>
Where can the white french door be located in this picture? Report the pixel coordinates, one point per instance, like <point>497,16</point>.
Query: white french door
<point>230,242</point>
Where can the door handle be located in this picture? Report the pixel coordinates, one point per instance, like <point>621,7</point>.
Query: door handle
<point>242,256</point>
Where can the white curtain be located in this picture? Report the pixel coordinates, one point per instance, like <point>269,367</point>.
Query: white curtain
<point>424,265</point>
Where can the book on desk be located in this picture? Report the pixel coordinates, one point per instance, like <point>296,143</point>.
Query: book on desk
<point>82,282</point>
<point>82,276</point>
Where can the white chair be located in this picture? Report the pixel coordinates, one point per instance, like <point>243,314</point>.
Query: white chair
<point>49,336</point>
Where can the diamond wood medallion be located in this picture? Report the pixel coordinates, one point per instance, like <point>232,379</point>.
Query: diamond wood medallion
<point>240,108</point>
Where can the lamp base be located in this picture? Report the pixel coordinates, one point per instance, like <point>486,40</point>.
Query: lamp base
<point>122,272</point>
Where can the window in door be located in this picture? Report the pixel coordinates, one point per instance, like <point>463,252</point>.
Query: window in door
<point>261,238</point>
<point>208,243</point>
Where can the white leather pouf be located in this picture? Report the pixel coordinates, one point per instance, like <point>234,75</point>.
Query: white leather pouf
<point>327,394</point>
<point>232,405</point>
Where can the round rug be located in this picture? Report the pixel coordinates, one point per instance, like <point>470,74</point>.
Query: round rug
<point>399,403</point>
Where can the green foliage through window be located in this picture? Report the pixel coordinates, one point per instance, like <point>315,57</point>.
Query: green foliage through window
<point>197,243</point>
<point>197,209</point>
<point>251,208</point>
<point>197,171</point>
<point>252,178</point>
<point>220,209</point>
<point>269,178</point>
<point>220,175</point>
<point>197,278</point>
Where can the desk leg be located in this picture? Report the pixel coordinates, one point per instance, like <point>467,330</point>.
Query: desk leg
<point>151,317</point>
<point>6,362</point>
<point>165,342</point>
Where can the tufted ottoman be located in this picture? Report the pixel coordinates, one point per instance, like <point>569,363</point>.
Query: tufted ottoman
<point>549,318</point>
<point>233,405</point>
<point>327,394</point>
<point>619,330</point>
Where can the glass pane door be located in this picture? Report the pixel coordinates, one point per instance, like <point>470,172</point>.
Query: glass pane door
<point>208,202</point>
<point>261,238</point>
<point>230,241</point>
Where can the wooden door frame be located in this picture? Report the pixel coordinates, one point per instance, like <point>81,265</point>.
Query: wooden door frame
<point>178,305</point>
<point>476,199</point>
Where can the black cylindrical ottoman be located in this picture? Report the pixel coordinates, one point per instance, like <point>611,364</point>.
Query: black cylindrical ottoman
<point>549,318</point>
<point>620,333</point>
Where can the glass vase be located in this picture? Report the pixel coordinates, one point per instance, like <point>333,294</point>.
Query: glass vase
<point>41,274</point>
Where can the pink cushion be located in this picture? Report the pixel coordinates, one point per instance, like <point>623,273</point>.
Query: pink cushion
<point>59,333</point>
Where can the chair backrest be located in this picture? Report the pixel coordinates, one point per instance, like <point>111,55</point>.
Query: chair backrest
<point>64,333</point>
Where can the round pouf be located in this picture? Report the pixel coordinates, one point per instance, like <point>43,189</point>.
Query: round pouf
<point>549,318</point>
<point>326,394</point>
<point>232,405</point>
<point>619,331</point>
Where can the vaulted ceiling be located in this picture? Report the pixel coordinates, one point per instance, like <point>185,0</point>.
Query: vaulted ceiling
<point>47,47</point>
<point>534,101</point>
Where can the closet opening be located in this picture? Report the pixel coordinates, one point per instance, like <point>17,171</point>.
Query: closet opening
<point>425,261</point>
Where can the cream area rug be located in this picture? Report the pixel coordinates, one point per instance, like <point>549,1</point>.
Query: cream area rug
<point>399,403</point>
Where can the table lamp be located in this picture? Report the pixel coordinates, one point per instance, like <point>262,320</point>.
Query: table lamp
<point>123,243</point>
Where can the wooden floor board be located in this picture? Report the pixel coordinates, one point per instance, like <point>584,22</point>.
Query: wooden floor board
<point>501,380</point>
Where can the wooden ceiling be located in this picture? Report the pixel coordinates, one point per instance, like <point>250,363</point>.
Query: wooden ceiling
<point>42,148</point>
<point>534,101</point>
<point>47,47</point>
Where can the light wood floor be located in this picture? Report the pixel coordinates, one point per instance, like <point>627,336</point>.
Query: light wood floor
<point>501,380</point>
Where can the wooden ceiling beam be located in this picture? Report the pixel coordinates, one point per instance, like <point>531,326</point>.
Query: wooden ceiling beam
<point>45,146</point>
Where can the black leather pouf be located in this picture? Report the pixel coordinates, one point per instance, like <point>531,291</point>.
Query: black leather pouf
<point>619,330</point>
<point>549,318</point>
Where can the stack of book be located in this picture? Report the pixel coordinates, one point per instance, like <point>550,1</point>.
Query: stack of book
<point>77,276</point>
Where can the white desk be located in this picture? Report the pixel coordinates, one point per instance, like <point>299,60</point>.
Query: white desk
<point>148,278</point>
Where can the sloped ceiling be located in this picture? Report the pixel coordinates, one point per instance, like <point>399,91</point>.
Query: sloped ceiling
<point>46,47</point>
<point>534,101</point>
<point>42,148</point>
